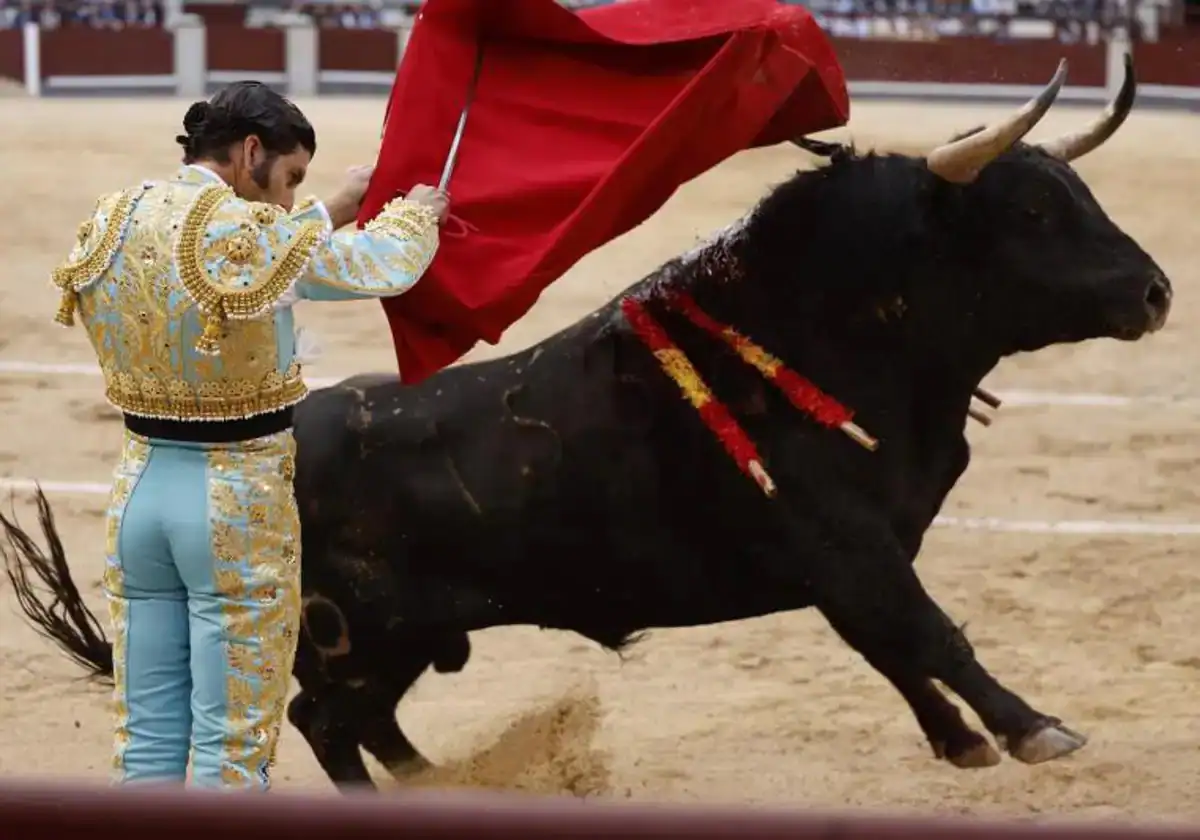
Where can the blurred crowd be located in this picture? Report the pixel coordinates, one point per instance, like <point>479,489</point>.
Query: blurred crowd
<point>101,14</point>
<point>1068,21</point>
<point>343,15</point>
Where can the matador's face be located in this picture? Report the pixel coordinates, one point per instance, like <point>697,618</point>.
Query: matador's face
<point>259,175</point>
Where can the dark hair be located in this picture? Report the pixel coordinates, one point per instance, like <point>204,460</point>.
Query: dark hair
<point>237,112</point>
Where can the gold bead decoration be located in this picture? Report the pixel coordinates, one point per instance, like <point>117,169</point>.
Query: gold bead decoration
<point>265,214</point>
<point>239,248</point>
<point>209,343</point>
<point>66,309</point>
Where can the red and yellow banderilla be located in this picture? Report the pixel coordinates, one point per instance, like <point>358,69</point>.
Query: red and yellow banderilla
<point>799,391</point>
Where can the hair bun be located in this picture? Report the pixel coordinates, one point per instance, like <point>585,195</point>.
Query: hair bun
<point>196,116</point>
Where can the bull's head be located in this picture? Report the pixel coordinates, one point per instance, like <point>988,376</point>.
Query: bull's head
<point>1060,269</point>
<point>989,236</point>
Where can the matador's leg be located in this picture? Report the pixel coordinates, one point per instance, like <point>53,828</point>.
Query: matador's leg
<point>148,606</point>
<point>243,576</point>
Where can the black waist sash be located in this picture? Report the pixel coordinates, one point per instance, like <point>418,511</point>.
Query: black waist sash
<point>211,431</point>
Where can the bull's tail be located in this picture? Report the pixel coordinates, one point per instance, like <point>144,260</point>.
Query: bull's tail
<point>65,620</point>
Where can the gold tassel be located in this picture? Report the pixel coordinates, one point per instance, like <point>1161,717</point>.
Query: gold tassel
<point>66,309</point>
<point>209,342</point>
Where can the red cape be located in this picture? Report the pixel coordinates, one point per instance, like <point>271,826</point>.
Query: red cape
<point>583,125</point>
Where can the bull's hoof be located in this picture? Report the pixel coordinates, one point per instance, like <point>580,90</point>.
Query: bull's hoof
<point>1051,741</point>
<point>980,755</point>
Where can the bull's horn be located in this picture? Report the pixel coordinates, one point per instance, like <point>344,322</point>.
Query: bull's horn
<point>962,160</point>
<point>1072,146</point>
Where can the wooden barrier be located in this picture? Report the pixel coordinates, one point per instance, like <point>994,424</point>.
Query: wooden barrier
<point>12,54</point>
<point>247,51</point>
<point>980,61</point>
<point>357,50</point>
<point>1172,60</point>
<point>82,51</point>
<point>80,813</point>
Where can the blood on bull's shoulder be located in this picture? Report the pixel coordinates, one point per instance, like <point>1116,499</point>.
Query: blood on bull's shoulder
<point>649,467</point>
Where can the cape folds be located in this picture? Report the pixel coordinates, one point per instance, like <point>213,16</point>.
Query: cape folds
<point>582,126</point>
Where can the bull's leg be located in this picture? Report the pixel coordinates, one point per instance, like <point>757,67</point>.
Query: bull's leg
<point>337,718</point>
<point>327,722</point>
<point>942,723</point>
<point>381,736</point>
<point>871,596</point>
<point>408,659</point>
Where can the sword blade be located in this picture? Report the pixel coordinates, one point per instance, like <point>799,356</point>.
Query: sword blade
<point>452,156</point>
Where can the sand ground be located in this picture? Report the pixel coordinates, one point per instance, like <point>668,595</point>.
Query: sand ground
<point>1098,629</point>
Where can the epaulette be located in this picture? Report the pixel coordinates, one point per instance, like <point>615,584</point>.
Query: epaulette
<point>97,242</point>
<point>226,274</point>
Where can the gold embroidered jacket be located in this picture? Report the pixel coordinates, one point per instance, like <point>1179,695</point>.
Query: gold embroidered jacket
<point>186,291</point>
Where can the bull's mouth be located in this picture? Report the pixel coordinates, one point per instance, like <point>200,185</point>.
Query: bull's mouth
<point>1132,333</point>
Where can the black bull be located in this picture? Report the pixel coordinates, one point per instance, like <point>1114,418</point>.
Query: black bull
<point>569,486</point>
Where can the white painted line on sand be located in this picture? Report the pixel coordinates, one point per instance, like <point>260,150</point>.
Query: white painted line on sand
<point>1017,397</point>
<point>1084,400</point>
<point>76,488</point>
<point>1086,527</point>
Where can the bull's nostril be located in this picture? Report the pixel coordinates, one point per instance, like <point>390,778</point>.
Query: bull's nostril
<point>1158,295</point>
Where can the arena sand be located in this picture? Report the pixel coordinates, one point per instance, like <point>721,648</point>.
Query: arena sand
<point>1101,630</point>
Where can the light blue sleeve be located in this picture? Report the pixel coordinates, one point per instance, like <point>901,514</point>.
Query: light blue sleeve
<point>384,259</point>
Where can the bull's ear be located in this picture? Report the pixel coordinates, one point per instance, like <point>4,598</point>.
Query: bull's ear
<point>961,161</point>
<point>1075,145</point>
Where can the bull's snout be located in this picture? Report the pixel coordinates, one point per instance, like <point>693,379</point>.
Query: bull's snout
<point>1158,301</point>
<point>1142,307</point>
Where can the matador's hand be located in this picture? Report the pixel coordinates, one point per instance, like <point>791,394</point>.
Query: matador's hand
<point>431,197</point>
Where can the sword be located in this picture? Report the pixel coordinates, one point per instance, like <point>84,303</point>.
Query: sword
<point>452,156</point>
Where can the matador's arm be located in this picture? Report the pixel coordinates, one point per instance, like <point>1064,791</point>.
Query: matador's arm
<point>383,259</point>
<point>238,259</point>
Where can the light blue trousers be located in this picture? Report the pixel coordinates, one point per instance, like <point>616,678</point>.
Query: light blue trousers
<point>203,585</point>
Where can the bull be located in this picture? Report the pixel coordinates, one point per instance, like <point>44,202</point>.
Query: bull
<point>569,486</point>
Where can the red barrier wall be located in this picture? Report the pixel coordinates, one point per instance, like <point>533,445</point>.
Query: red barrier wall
<point>1175,60</point>
<point>106,52</point>
<point>969,61</point>
<point>12,55</point>
<point>362,50</point>
<point>238,48</point>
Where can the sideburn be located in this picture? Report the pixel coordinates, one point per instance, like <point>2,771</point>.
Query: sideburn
<point>261,173</point>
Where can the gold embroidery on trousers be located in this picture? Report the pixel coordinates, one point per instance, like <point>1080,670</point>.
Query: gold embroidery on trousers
<point>255,545</point>
<point>133,460</point>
